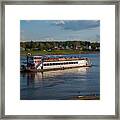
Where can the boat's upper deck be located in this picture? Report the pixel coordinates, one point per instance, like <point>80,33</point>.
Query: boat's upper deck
<point>55,59</point>
<point>63,59</point>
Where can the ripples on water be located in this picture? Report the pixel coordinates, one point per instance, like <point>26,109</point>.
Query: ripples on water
<point>61,84</point>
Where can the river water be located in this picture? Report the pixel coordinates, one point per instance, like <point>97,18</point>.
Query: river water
<point>61,84</point>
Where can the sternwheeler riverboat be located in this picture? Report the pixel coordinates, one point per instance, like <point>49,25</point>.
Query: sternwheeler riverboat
<point>43,63</point>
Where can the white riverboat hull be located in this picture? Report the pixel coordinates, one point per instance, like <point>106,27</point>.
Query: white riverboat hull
<point>40,65</point>
<point>63,64</point>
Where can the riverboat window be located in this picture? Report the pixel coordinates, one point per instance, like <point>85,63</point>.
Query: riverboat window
<point>49,64</point>
<point>44,64</point>
<point>54,63</point>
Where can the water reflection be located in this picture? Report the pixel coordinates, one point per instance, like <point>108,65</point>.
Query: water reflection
<point>42,79</point>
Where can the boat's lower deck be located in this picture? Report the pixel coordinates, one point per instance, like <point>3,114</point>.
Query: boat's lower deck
<point>52,69</point>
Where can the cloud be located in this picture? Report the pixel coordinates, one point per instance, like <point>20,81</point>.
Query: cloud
<point>59,22</point>
<point>77,24</point>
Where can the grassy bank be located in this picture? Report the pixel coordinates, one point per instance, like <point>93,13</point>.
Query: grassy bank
<point>57,52</point>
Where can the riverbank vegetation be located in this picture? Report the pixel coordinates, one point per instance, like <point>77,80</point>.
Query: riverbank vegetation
<point>61,47</point>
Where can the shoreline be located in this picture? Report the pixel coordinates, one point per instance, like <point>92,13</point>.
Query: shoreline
<point>85,97</point>
<point>65,53</point>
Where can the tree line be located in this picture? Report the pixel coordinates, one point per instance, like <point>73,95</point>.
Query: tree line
<point>61,45</point>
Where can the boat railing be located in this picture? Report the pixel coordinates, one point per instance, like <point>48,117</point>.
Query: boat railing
<point>62,59</point>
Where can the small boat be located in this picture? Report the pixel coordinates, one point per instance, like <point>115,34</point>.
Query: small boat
<point>44,63</point>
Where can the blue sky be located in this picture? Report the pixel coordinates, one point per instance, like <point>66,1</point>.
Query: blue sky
<point>62,30</point>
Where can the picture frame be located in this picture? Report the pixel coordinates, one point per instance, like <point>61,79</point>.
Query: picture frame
<point>70,2</point>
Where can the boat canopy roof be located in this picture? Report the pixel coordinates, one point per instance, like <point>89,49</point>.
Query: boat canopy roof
<point>56,56</point>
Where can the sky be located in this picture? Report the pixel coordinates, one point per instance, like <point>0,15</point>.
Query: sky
<point>60,30</point>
